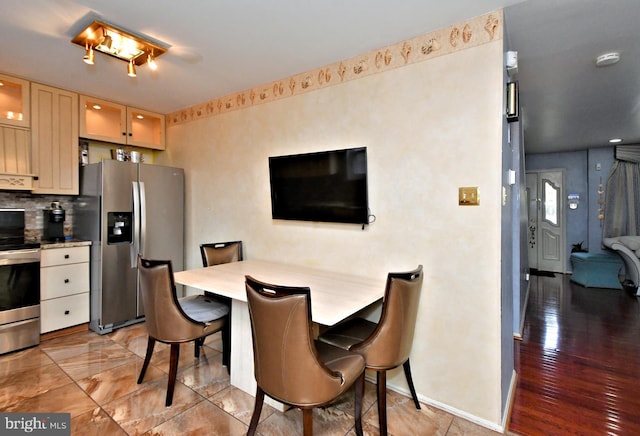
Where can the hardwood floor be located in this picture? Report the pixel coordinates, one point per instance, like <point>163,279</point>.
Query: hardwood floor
<point>579,361</point>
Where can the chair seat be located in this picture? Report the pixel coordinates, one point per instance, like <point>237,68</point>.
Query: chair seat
<point>203,309</point>
<point>349,333</point>
<point>337,359</point>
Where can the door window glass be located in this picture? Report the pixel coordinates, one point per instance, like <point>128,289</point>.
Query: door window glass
<point>550,213</point>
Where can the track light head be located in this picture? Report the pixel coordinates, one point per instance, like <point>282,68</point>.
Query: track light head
<point>131,69</point>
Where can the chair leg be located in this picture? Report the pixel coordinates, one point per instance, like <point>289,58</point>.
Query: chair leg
<point>198,343</point>
<point>173,371</point>
<point>226,345</point>
<point>147,358</point>
<point>257,409</point>
<point>358,403</point>
<point>307,422</point>
<point>382,401</point>
<point>407,373</point>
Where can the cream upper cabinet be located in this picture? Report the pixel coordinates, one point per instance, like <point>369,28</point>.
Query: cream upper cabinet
<point>14,101</point>
<point>15,159</point>
<point>107,121</point>
<point>54,140</point>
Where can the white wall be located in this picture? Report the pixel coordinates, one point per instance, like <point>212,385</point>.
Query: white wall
<point>430,127</point>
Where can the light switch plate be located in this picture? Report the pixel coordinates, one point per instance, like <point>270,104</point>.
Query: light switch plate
<point>468,196</point>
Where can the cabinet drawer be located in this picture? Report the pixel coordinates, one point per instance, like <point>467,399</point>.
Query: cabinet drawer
<point>64,256</point>
<point>59,281</point>
<point>64,312</point>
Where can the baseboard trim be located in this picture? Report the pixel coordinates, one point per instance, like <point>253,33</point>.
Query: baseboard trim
<point>64,332</point>
<point>510,401</point>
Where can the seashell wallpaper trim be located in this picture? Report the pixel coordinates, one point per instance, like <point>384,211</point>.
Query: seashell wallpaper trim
<point>476,31</point>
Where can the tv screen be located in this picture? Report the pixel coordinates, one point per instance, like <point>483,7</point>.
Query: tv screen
<point>328,186</point>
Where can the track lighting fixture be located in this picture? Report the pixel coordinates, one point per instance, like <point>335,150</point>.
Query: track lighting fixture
<point>114,41</point>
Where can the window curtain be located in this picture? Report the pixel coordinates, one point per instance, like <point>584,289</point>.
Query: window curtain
<point>622,200</point>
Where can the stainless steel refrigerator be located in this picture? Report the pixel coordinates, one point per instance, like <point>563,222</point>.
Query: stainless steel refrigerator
<point>126,209</point>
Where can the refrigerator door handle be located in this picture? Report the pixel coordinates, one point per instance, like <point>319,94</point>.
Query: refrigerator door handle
<point>143,218</point>
<point>135,248</point>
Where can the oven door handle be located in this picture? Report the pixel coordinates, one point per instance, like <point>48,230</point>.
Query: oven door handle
<point>19,257</point>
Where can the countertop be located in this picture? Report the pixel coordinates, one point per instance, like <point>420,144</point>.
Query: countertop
<point>44,245</point>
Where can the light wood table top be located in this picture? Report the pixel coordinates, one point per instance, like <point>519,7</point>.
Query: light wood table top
<point>334,296</point>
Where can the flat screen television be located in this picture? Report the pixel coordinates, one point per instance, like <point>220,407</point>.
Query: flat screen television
<point>327,186</point>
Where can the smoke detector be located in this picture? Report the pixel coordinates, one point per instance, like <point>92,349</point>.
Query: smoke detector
<point>607,59</point>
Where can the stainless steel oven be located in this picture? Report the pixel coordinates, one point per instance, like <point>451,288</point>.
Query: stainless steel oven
<point>19,284</point>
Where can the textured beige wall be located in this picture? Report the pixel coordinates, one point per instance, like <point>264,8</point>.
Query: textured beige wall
<point>430,128</point>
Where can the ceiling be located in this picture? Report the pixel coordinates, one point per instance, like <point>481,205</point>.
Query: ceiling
<point>217,48</point>
<point>567,102</point>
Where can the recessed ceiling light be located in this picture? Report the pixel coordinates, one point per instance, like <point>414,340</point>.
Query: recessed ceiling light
<point>615,140</point>
<point>607,59</point>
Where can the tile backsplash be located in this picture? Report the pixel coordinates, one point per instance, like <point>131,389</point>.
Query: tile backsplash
<point>33,206</point>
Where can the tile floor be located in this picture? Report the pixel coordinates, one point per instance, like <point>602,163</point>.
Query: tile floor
<point>93,378</point>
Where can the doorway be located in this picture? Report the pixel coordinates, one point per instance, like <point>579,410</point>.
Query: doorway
<point>546,228</point>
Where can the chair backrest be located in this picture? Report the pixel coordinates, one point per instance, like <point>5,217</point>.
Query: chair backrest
<point>164,318</point>
<point>221,252</point>
<point>286,362</point>
<point>390,343</point>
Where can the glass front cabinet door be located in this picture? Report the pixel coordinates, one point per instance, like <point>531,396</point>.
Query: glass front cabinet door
<point>145,129</point>
<point>14,101</point>
<point>112,122</point>
<point>103,120</point>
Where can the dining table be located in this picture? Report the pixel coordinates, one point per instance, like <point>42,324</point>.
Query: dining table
<point>335,296</point>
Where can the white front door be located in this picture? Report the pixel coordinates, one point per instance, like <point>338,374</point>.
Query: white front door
<point>546,226</point>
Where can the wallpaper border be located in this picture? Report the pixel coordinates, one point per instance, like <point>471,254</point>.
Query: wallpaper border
<point>472,33</point>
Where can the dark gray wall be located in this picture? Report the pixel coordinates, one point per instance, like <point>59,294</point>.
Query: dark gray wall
<point>582,178</point>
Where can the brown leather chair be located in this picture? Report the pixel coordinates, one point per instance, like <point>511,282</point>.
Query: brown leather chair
<point>216,253</point>
<point>387,344</point>
<point>174,320</point>
<point>289,365</point>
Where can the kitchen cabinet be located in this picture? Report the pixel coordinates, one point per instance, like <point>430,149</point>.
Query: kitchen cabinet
<point>54,140</point>
<point>64,287</point>
<point>15,159</point>
<point>107,121</point>
<point>14,101</point>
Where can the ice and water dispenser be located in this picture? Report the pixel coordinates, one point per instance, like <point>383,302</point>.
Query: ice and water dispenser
<point>119,227</point>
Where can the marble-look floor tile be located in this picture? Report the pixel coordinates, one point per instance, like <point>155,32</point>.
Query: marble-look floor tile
<point>203,419</point>
<point>207,376</point>
<point>403,417</point>
<point>31,382</point>
<point>162,356</point>
<point>19,361</point>
<point>117,382</point>
<point>214,341</point>
<point>105,398</point>
<point>74,345</point>
<point>326,421</point>
<point>239,404</point>
<point>138,345</point>
<point>124,336</point>
<point>461,427</point>
<point>65,399</point>
<point>97,359</point>
<point>95,422</point>
<point>346,401</point>
<point>144,408</point>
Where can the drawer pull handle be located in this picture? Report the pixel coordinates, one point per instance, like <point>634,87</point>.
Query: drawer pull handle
<point>66,256</point>
<point>66,312</point>
<point>66,280</point>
